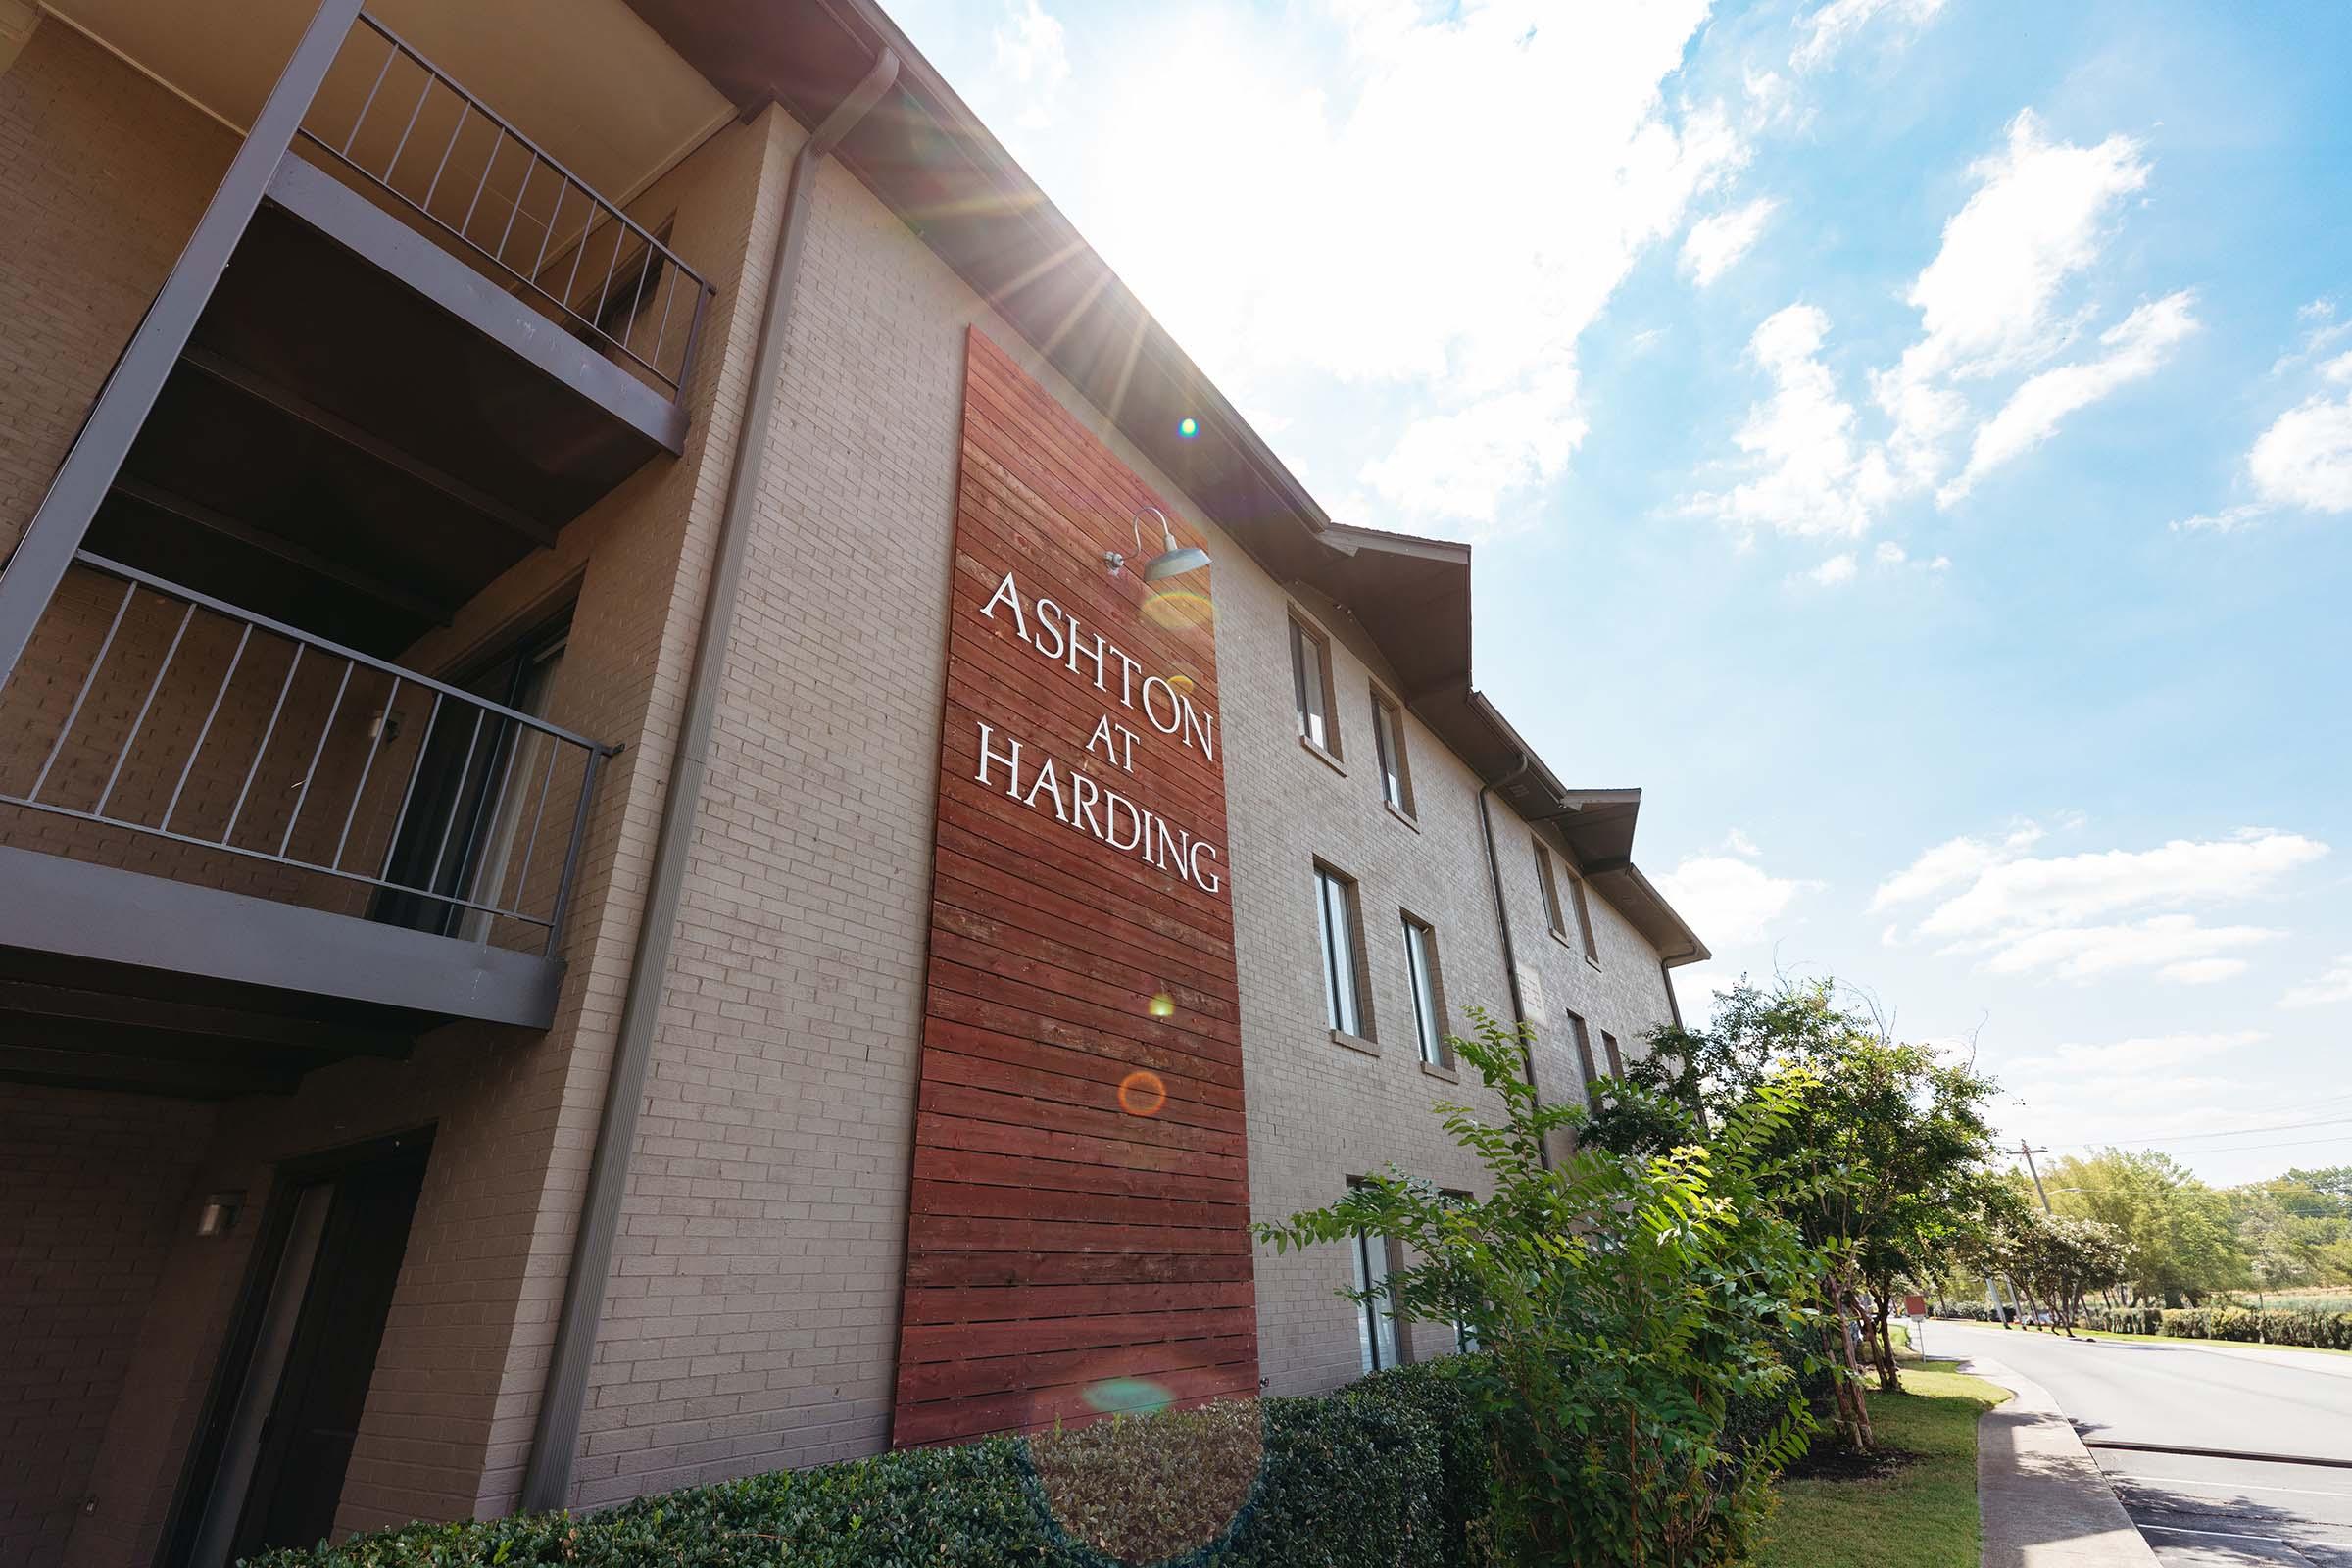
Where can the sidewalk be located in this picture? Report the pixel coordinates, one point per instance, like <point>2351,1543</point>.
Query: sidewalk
<point>2046,1503</point>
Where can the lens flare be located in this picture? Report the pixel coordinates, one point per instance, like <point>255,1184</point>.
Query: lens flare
<point>1181,684</point>
<point>1188,427</point>
<point>1178,610</point>
<point>1129,1397</point>
<point>1142,1093</point>
<point>1161,1006</point>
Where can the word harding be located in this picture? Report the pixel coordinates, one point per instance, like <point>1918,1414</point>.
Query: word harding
<point>1078,800</point>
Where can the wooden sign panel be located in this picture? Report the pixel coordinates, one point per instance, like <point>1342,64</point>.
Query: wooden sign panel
<point>1077,1242</point>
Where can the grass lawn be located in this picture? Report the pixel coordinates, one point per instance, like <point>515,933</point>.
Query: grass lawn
<point>1922,1515</point>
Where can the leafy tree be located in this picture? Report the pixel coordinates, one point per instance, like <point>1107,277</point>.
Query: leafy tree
<point>2175,1229</point>
<point>2060,1259</point>
<point>1634,1315</point>
<point>1891,1142</point>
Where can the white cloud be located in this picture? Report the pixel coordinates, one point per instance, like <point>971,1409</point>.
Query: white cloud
<point>1952,863</point>
<point>1828,29</point>
<point>2137,348</point>
<point>1835,571</point>
<point>2176,946</point>
<point>1801,440</point>
<point>2305,457</point>
<point>2229,520</point>
<point>1727,898</point>
<point>1032,53</point>
<point>1992,307</point>
<point>2072,916</point>
<point>2141,1054</point>
<point>1941,563</point>
<point>1267,234</point>
<point>1718,240</point>
<point>2333,986</point>
<point>1890,554</point>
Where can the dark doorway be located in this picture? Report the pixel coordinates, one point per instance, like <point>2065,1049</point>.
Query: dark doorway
<point>287,1407</point>
<point>470,797</point>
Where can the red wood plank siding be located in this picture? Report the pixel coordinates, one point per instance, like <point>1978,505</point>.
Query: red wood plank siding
<point>1071,1224</point>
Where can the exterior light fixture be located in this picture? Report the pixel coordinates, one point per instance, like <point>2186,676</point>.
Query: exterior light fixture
<point>218,1216</point>
<point>1171,562</point>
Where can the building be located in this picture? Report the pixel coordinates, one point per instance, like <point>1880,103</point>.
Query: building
<point>604,881</point>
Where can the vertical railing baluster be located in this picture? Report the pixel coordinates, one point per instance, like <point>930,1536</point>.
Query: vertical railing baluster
<point>571,849</point>
<point>140,722</point>
<point>694,335</point>
<point>669,297</point>
<point>374,749</point>
<point>392,165</point>
<point>74,712</point>
<point>269,734</point>
<point>391,50</point>
<point>211,714</point>
<point>539,262</point>
<point>587,225</point>
<point>302,796</point>
<point>530,846</point>
<point>465,110</point>
<point>530,166</point>
<point>611,264</point>
<point>425,739</point>
<point>432,884</point>
<point>498,144</point>
<point>495,804</point>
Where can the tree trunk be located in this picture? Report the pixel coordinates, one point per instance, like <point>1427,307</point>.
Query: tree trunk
<point>1853,1410</point>
<point>1890,1378</point>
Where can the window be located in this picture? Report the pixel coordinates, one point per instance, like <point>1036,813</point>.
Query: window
<point>1388,735</point>
<point>1421,973</point>
<point>1608,1045</point>
<point>1310,681</point>
<point>1583,1059</point>
<point>1345,1005</point>
<point>1374,1327</point>
<point>1584,918</point>
<point>1552,891</point>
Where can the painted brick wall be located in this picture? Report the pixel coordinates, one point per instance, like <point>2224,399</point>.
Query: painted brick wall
<point>98,1187</point>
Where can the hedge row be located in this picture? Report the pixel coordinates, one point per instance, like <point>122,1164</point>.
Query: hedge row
<point>1387,1473</point>
<point>2323,1331</point>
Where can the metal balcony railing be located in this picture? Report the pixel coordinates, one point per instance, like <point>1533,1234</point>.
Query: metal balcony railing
<point>182,736</point>
<point>445,156</point>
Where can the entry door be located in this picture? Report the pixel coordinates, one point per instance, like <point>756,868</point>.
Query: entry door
<point>280,1472</point>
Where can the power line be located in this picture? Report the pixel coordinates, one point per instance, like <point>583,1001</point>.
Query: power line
<point>2250,1148</point>
<point>2226,1131</point>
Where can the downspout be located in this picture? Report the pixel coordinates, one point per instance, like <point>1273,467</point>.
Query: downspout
<point>1674,1008</point>
<point>547,1481</point>
<point>1502,923</point>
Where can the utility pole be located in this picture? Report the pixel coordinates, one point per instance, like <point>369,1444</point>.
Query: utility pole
<point>2031,1169</point>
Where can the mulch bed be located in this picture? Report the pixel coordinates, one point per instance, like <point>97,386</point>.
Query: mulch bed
<point>1826,1462</point>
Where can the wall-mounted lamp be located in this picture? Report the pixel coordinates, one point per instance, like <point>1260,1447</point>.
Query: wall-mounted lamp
<point>218,1216</point>
<point>1171,562</point>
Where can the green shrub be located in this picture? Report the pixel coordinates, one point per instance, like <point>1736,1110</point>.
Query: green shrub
<point>2321,1331</point>
<point>1443,1392</point>
<point>1349,1481</point>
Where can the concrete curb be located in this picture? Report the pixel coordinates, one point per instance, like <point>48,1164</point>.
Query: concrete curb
<point>2046,1502</point>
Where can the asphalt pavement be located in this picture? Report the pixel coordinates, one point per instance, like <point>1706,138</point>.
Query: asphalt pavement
<point>2265,1409</point>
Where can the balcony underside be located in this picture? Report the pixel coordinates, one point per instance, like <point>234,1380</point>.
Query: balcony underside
<point>366,431</point>
<point>115,979</point>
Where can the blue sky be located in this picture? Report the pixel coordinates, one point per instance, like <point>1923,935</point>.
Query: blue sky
<point>1911,439</point>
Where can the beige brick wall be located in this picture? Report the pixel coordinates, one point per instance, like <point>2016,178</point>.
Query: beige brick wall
<point>102,179</point>
<point>98,1187</point>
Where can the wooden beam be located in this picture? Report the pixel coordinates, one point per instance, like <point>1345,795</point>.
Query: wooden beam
<point>335,426</point>
<point>389,595</point>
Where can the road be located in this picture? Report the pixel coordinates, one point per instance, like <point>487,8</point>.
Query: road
<point>2199,1512</point>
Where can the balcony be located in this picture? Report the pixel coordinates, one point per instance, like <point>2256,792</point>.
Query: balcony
<point>235,848</point>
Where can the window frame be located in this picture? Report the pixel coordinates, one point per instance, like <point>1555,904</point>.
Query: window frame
<point>1616,1057</point>
<point>1547,881</point>
<point>1339,896</point>
<point>1425,986</point>
<point>1582,1035</point>
<point>1584,917</point>
<point>1376,1328</point>
<point>1390,753</point>
<point>1313,702</point>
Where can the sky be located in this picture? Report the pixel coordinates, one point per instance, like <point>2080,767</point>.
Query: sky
<point>1910,439</point>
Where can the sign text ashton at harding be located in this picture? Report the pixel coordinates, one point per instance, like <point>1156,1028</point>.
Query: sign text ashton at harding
<point>1031,776</point>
